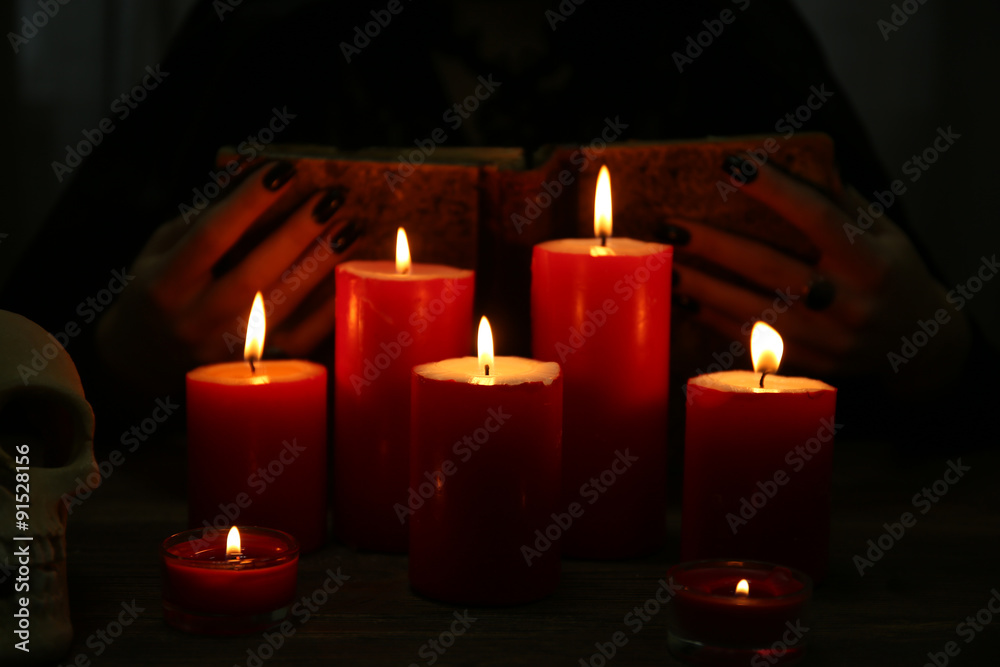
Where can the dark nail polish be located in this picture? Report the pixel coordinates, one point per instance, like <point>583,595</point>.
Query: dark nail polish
<point>675,278</point>
<point>743,171</point>
<point>328,205</point>
<point>686,303</point>
<point>674,235</point>
<point>345,237</point>
<point>279,174</point>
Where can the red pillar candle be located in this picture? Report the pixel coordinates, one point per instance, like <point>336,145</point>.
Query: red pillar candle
<point>484,478</point>
<point>601,309</point>
<point>215,583</point>
<point>257,443</point>
<point>757,464</point>
<point>390,317</point>
<point>736,612</point>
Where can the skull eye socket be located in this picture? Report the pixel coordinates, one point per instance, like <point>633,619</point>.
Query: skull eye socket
<point>44,420</point>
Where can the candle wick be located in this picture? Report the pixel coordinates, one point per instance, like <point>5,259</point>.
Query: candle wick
<point>604,240</point>
<point>487,368</point>
<point>252,368</point>
<point>762,379</point>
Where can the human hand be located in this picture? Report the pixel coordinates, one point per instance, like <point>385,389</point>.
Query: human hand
<point>179,312</point>
<point>847,312</point>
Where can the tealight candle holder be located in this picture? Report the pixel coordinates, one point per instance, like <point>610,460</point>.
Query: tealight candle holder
<point>727,612</point>
<point>211,588</point>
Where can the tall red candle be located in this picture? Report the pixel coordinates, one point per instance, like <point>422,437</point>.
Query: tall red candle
<point>257,445</point>
<point>390,317</point>
<point>601,309</point>
<point>484,477</point>
<point>757,468</point>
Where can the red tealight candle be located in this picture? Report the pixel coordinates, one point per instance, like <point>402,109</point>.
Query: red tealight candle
<point>228,583</point>
<point>391,316</point>
<point>757,463</point>
<point>727,612</point>
<point>601,309</point>
<point>257,442</point>
<point>484,477</point>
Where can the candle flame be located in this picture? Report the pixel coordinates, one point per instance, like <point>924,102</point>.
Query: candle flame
<point>602,204</point>
<point>402,252</point>
<point>485,347</point>
<point>743,588</point>
<point>233,546</point>
<point>255,331</point>
<point>766,348</point>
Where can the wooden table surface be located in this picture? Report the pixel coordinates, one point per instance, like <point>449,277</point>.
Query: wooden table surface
<point>906,605</point>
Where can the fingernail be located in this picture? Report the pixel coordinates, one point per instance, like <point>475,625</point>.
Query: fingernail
<point>744,171</point>
<point>675,277</point>
<point>345,237</point>
<point>674,235</point>
<point>328,205</point>
<point>279,174</point>
<point>686,303</point>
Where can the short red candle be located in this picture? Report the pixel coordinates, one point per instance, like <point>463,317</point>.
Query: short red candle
<point>603,313</point>
<point>484,476</point>
<point>257,447</point>
<point>387,323</point>
<point>710,620</point>
<point>757,469</point>
<point>206,591</point>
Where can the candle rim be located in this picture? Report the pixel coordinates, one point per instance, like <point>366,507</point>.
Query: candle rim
<point>750,383</point>
<point>621,245</point>
<point>386,269</point>
<point>804,591</point>
<point>268,371</point>
<point>289,549</point>
<point>506,371</point>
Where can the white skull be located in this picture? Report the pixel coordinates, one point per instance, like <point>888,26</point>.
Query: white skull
<point>42,406</point>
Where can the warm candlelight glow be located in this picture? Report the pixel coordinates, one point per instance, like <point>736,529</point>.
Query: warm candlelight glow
<point>255,331</point>
<point>602,205</point>
<point>766,348</point>
<point>233,546</point>
<point>743,588</point>
<point>402,252</point>
<point>485,347</point>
